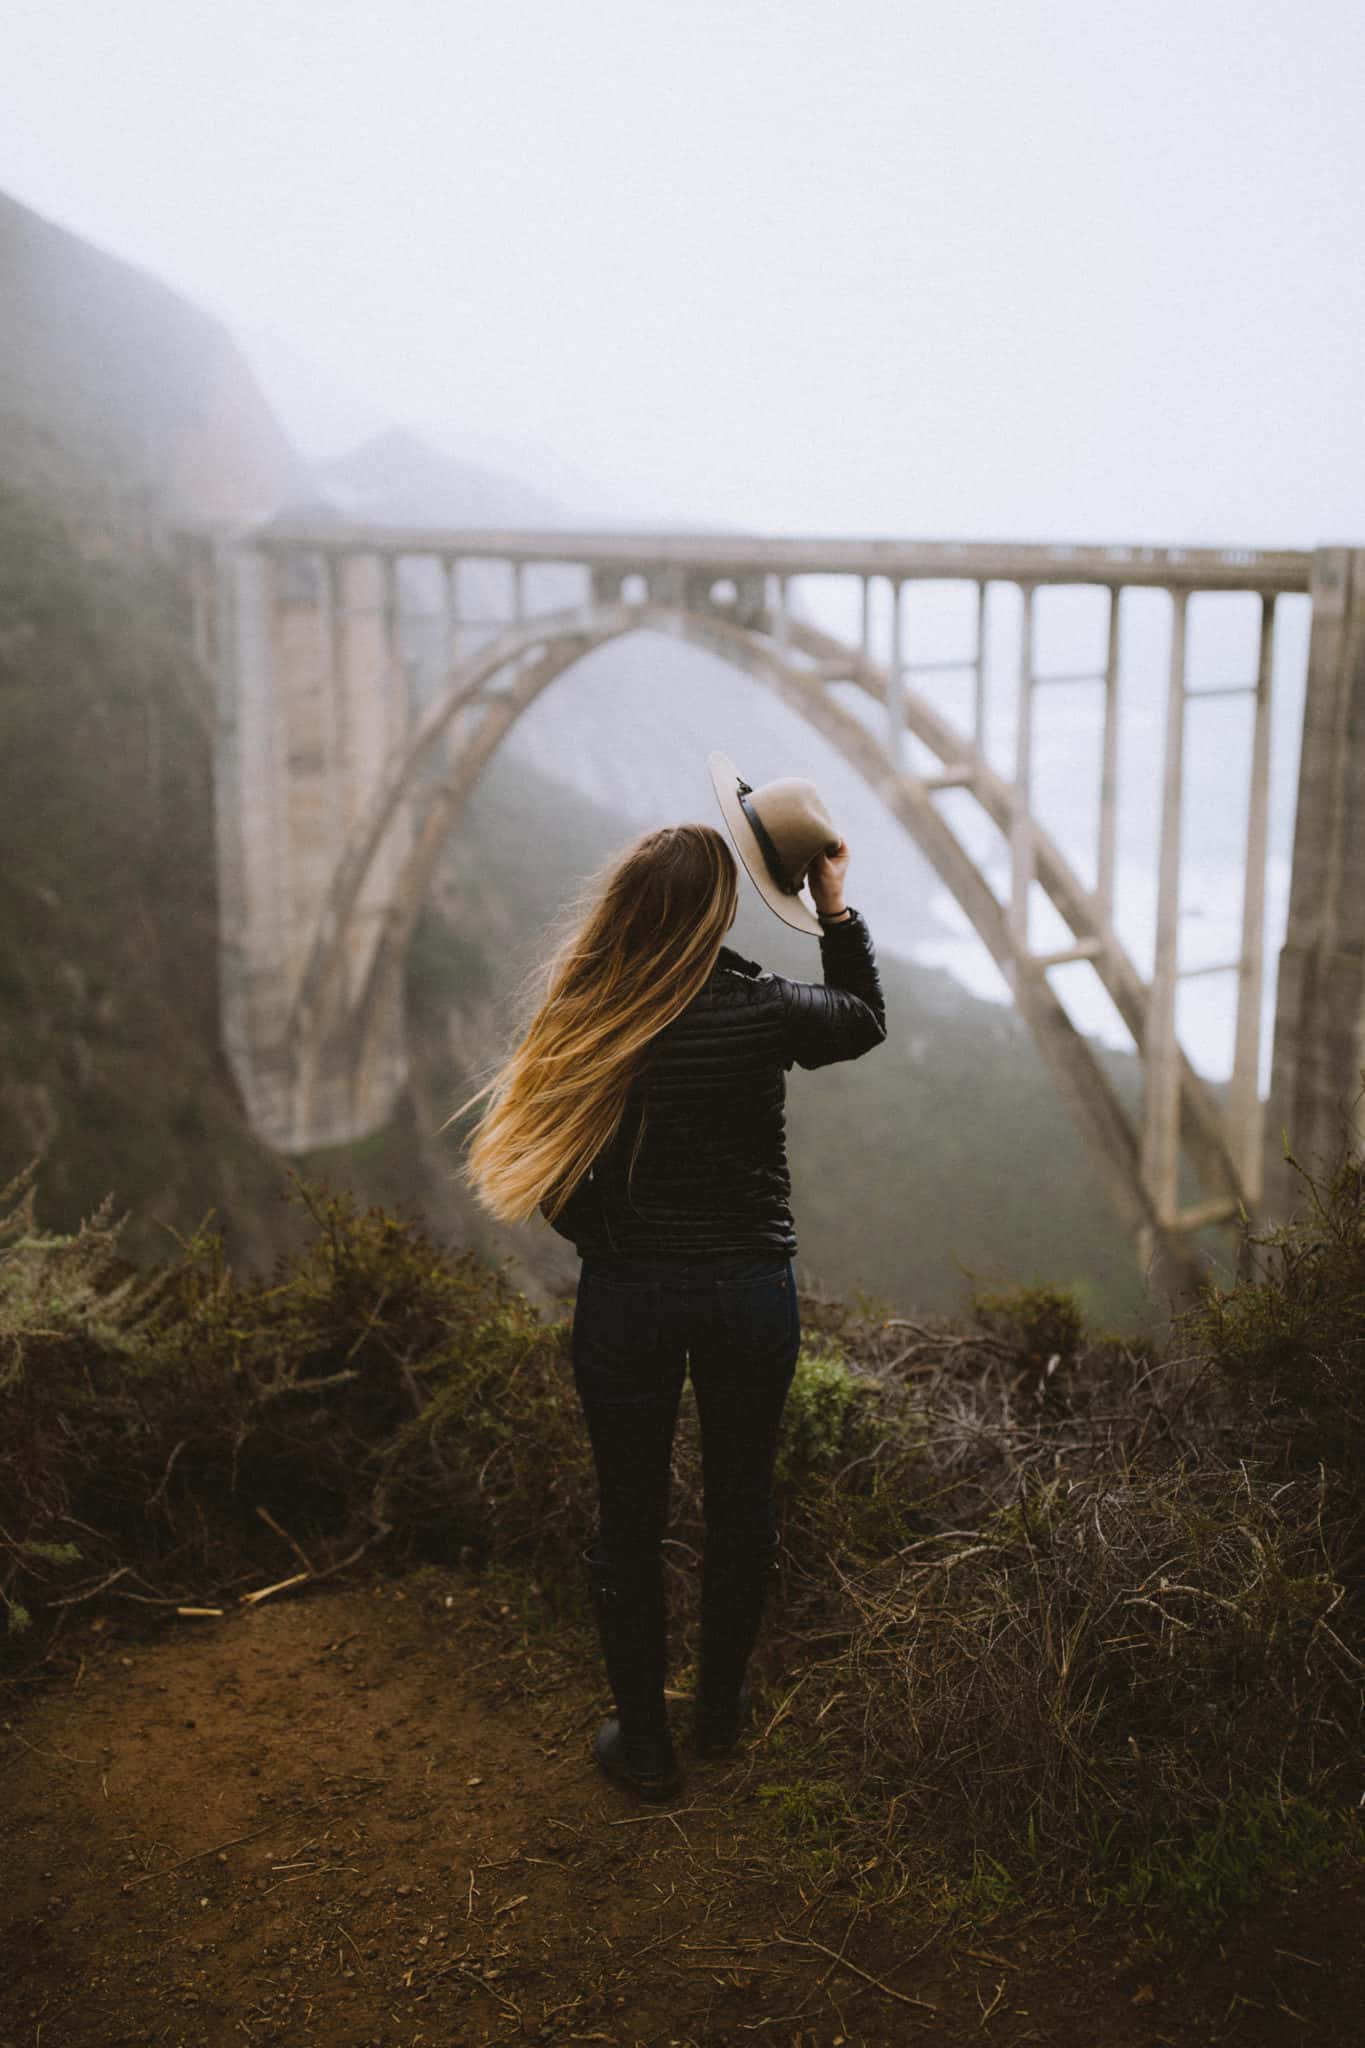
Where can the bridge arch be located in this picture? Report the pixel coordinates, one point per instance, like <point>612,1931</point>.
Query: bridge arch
<point>799,664</point>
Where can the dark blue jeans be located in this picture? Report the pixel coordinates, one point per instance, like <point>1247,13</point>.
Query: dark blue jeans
<point>638,1326</point>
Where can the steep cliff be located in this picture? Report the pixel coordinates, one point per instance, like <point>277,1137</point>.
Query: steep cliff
<point>122,396</point>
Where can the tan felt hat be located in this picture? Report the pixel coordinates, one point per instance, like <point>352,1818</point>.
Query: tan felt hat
<point>778,830</point>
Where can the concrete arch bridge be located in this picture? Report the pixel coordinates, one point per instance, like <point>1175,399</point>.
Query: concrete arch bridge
<point>337,781</point>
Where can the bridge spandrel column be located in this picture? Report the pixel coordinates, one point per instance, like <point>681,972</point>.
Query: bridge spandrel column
<point>251,828</point>
<point>301,654</point>
<point>359,655</point>
<point>371,703</point>
<point>1316,1076</point>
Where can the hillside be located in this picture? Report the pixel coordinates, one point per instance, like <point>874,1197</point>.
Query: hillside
<point>120,397</point>
<point>112,1074</point>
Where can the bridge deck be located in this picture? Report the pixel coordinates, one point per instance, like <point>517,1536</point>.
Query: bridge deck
<point>727,554</point>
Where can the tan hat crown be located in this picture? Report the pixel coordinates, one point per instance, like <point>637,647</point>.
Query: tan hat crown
<point>791,825</point>
<point>779,829</point>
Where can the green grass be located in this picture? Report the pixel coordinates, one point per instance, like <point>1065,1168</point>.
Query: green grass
<point>1262,1841</point>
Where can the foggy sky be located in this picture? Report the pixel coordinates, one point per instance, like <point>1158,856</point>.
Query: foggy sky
<point>1045,268</point>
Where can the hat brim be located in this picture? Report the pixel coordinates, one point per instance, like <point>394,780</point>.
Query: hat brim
<point>793,910</point>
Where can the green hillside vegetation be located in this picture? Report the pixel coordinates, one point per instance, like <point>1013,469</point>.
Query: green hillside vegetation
<point>1065,1620</point>
<point>108,917</point>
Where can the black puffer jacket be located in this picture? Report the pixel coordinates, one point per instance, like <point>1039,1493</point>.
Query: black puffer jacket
<point>711,1174</point>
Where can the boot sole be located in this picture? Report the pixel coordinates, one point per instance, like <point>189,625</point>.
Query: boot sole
<point>647,1788</point>
<point>648,1784</point>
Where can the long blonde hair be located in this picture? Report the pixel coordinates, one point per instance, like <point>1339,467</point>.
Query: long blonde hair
<point>646,934</point>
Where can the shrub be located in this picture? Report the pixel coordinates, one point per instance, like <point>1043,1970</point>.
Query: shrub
<point>1126,1611</point>
<point>1288,1343</point>
<point>816,1417</point>
<point>375,1389</point>
<point>1036,1324</point>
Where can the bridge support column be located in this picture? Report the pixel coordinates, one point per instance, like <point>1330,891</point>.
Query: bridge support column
<point>253,863</point>
<point>1316,1074</point>
<point>307,708</point>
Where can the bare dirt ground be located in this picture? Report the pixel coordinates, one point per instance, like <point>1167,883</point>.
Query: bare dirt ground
<point>367,1814</point>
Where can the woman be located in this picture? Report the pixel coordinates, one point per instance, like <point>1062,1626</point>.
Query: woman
<point>643,1113</point>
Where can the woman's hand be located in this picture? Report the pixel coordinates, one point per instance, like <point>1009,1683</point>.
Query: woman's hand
<point>826,878</point>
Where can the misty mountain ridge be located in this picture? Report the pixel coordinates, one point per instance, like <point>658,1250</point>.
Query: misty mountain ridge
<point>395,478</point>
<point>329,420</point>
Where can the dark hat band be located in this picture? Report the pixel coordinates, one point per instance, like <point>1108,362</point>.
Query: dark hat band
<point>772,858</point>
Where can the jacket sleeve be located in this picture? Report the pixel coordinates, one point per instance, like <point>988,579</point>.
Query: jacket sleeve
<point>847,1016</point>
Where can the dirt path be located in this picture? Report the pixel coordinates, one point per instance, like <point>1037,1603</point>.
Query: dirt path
<point>368,1815</point>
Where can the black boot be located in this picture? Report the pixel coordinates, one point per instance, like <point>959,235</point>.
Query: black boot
<point>635,1746</point>
<point>735,1588</point>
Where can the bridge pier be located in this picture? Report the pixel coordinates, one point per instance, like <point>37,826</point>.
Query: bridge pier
<point>309,701</point>
<point>1316,1074</point>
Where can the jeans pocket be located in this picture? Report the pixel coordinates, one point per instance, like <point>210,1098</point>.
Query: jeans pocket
<point>761,1318</point>
<point>616,1337</point>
